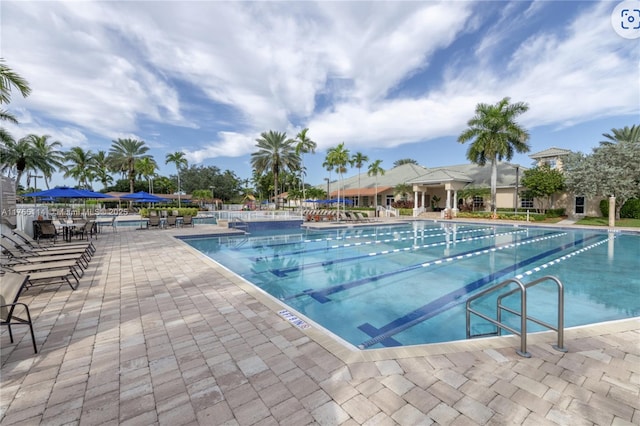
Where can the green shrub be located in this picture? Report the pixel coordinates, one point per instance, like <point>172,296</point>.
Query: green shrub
<point>555,213</point>
<point>183,211</point>
<point>604,208</point>
<point>631,209</point>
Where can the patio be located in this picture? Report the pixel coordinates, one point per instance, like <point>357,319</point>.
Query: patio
<point>157,333</point>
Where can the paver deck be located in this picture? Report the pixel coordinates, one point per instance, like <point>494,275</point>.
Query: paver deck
<point>157,333</point>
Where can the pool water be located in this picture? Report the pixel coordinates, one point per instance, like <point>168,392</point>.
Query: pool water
<point>408,284</point>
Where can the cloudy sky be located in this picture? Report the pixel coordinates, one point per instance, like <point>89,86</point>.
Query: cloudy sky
<point>389,79</point>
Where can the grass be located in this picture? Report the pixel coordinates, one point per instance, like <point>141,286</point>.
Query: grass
<point>603,221</point>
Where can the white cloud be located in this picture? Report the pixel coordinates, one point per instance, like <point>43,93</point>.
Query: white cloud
<point>110,68</point>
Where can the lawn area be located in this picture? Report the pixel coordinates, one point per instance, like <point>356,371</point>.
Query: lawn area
<point>603,221</point>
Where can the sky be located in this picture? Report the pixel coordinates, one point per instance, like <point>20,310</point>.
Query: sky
<point>392,80</point>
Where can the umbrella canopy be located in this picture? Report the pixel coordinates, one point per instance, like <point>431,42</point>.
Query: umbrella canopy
<point>143,197</point>
<point>66,192</point>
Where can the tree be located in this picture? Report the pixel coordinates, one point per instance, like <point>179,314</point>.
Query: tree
<point>50,159</point>
<point>146,168</point>
<point>19,157</point>
<point>375,170</point>
<point>101,162</point>
<point>8,80</point>
<point>542,182</point>
<point>357,160</point>
<point>178,159</point>
<point>275,153</point>
<point>469,193</point>
<point>123,156</point>
<point>626,134</point>
<point>612,169</point>
<point>404,161</point>
<point>338,157</point>
<point>80,165</point>
<point>304,145</point>
<point>496,137</point>
<point>403,189</point>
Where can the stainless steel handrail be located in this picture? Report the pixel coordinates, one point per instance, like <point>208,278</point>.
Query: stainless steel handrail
<point>522,288</point>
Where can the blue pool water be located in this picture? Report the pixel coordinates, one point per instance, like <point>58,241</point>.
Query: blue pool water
<point>408,284</point>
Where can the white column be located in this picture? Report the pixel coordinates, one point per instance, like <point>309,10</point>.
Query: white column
<point>415,199</point>
<point>448,205</point>
<point>455,200</point>
<point>423,200</point>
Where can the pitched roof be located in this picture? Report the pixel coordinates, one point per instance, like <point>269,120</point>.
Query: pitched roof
<point>550,152</point>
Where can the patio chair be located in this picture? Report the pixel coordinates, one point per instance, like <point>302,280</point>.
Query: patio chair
<point>187,221</point>
<point>154,221</point>
<point>86,230</point>
<point>22,238</point>
<point>12,286</point>
<point>44,255</point>
<point>171,221</point>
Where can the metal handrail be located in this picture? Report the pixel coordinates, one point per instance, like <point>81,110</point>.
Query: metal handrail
<point>522,288</point>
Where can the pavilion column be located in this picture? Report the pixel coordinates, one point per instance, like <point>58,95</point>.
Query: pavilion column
<point>448,205</point>
<point>424,193</point>
<point>415,199</point>
<point>455,200</point>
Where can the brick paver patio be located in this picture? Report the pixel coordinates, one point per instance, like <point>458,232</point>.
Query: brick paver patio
<point>159,334</point>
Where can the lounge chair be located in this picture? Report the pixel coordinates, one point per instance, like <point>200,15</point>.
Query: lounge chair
<point>48,251</point>
<point>187,221</point>
<point>45,255</point>
<point>37,277</point>
<point>12,286</point>
<point>22,238</point>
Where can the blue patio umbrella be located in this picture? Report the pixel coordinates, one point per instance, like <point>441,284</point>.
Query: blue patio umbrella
<point>58,192</point>
<point>143,197</point>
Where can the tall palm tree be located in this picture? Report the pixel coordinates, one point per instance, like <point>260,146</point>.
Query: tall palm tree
<point>375,170</point>
<point>8,80</point>
<point>51,158</point>
<point>147,167</point>
<point>626,134</point>
<point>102,167</point>
<point>19,157</point>
<point>339,158</point>
<point>178,159</point>
<point>497,136</point>
<point>275,153</point>
<point>80,166</point>
<point>357,160</point>
<point>123,155</point>
<point>304,145</point>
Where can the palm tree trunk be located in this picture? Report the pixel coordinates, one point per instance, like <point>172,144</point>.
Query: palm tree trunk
<point>494,184</point>
<point>179,190</point>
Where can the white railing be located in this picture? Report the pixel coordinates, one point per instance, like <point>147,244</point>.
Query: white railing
<point>230,215</point>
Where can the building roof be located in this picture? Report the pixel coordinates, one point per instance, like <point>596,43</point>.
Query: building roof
<point>550,152</point>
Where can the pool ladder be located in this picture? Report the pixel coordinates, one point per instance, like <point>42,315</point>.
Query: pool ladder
<point>522,288</point>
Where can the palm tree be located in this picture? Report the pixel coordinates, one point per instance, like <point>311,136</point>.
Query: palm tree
<point>403,189</point>
<point>80,167</point>
<point>178,159</point>
<point>304,145</point>
<point>9,79</point>
<point>123,156</point>
<point>275,153</point>
<point>497,136</point>
<point>375,170</point>
<point>626,134</point>
<point>50,159</point>
<point>19,157</point>
<point>358,161</point>
<point>402,161</point>
<point>339,158</point>
<point>102,166</point>
<point>146,167</point>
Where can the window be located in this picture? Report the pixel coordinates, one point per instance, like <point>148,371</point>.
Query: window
<point>552,163</point>
<point>526,203</point>
<point>579,208</point>
<point>478,202</point>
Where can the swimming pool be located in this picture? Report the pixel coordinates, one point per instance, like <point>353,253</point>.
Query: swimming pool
<point>407,284</point>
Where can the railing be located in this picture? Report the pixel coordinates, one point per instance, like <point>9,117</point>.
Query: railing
<point>230,215</point>
<point>522,288</point>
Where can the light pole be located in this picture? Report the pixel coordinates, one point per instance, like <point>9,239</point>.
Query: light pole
<point>213,200</point>
<point>327,179</point>
<point>35,189</point>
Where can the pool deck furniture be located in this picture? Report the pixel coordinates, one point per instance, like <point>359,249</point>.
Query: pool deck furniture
<point>12,286</point>
<point>169,337</point>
